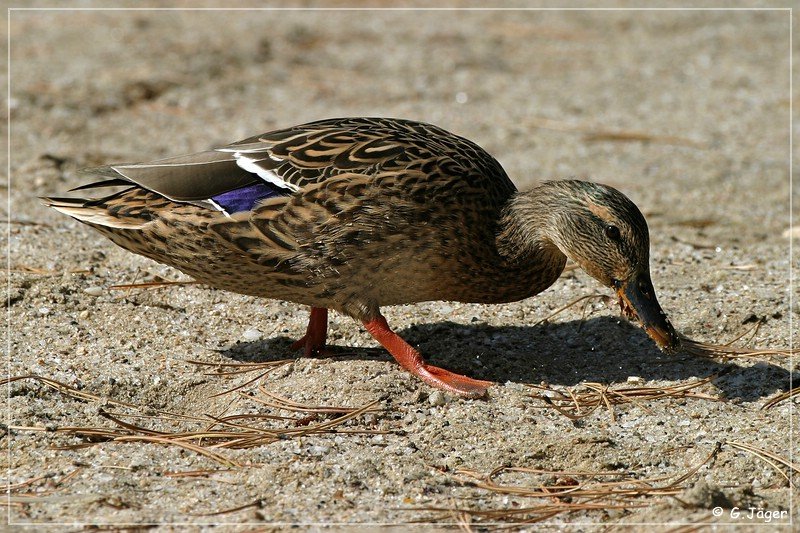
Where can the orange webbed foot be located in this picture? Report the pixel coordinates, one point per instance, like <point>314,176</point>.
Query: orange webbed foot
<point>452,382</point>
<point>411,360</point>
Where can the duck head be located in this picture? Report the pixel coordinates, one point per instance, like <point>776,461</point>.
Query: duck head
<point>604,232</point>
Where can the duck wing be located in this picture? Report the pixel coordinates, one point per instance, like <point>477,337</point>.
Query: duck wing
<point>312,153</point>
<point>240,176</point>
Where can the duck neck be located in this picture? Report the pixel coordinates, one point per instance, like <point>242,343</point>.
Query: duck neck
<point>527,239</point>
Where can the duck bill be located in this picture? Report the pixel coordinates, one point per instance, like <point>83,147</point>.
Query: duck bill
<point>637,299</point>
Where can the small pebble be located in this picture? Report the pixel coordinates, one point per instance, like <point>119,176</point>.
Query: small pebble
<point>84,314</point>
<point>635,379</point>
<point>94,291</point>
<point>437,398</point>
<point>251,335</point>
<point>282,371</point>
<point>44,311</point>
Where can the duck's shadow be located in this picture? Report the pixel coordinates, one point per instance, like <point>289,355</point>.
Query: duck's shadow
<point>601,349</point>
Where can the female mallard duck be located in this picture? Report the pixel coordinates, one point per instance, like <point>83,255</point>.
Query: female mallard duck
<point>356,213</point>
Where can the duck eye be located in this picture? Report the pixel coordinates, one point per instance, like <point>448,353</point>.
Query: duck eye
<point>612,232</point>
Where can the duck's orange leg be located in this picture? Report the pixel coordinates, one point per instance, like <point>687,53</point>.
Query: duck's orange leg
<point>411,360</point>
<point>313,342</point>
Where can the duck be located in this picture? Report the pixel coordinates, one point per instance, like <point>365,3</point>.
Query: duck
<point>355,214</point>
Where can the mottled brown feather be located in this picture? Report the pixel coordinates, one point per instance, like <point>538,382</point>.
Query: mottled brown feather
<point>387,212</point>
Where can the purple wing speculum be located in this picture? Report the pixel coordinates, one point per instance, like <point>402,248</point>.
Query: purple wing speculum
<point>245,198</point>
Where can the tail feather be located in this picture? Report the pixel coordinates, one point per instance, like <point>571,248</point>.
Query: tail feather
<point>112,182</point>
<point>91,212</point>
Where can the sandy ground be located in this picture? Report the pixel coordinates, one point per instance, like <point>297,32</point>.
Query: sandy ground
<point>686,112</point>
